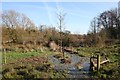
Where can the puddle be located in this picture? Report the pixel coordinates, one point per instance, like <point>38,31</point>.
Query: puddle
<point>72,70</point>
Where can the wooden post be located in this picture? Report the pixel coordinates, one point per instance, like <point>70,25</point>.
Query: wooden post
<point>92,67</point>
<point>35,45</point>
<point>63,55</point>
<point>4,56</point>
<point>90,64</point>
<point>98,62</point>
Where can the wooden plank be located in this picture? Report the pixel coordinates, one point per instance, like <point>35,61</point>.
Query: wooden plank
<point>95,64</point>
<point>104,61</point>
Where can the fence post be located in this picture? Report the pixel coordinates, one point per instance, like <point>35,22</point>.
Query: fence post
<point>98,62</point>
<point>4,56</point>
<point>91,64</point>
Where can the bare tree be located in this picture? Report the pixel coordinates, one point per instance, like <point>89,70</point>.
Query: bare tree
<point>61,16</point>
<point>106,26</point>
<point>94,29</point>
<point>110,22</point>
<point>14,21</point>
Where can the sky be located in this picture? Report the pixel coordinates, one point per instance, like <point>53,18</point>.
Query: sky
<point>78,14</point>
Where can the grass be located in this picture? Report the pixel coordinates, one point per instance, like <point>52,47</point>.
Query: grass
<point>26,69</point>
<point>110,70</point>
<point>85,51</point>
<point>12,56</point>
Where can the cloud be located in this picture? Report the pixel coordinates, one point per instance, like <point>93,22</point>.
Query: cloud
<point>50,11</point>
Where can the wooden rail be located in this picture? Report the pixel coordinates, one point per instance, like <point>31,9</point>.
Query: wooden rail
<point>95,62</point>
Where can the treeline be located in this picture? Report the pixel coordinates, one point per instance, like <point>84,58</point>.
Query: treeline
<point>18,28</point>
<point>104,29</point>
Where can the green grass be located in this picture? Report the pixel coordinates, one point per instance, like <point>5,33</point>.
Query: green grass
<point>32,70</point>
<point>12,56</point>
<point>86,51</point>
<point>28,71</point>
<point>109,70</point>
<point>110,51</point>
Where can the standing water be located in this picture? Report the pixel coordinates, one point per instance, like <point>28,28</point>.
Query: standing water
<point>71,68</point>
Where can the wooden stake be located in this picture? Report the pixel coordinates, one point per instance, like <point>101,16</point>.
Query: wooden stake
<point>4,56</point>
<point>91,63</point>
<point>98,62</point>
